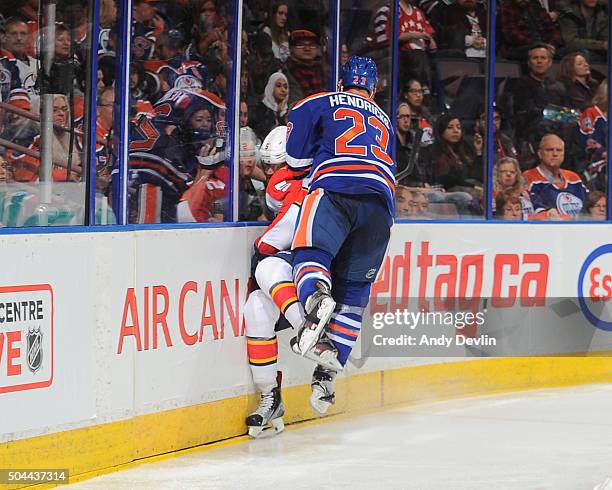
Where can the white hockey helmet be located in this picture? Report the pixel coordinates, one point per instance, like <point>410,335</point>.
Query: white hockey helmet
<point>273,149</point>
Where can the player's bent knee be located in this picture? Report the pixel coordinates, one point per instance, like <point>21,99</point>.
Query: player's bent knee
<point>260,315</point>
<point>271,271</point>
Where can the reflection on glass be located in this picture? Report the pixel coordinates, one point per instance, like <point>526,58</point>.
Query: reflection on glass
<point>43,140</point>
<point>284,59</point>
<point>178,90</point>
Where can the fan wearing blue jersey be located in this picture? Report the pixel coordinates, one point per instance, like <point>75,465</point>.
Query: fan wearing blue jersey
<point>343,229</point>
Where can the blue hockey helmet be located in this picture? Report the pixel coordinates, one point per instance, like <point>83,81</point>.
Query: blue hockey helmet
<point>360,72</point>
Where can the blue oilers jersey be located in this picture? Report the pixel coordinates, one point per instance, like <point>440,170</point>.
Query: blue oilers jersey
<point>346,140</point>
<point>567,199</point>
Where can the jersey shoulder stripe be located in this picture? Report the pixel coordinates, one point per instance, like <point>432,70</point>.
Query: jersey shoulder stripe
<point>309,98</point>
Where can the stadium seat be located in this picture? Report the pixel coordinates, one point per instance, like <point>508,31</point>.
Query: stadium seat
<point>507,69</point>
<point>451,72</point>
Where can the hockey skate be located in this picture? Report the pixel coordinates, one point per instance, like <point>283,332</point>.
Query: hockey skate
<point>268,418</point>
<point>323,353</point>
<point>323,395</point>
<point>319,308</point>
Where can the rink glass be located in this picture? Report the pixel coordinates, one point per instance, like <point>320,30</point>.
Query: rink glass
<point>44,87</point>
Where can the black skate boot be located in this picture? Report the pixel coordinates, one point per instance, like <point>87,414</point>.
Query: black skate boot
<point>268,418</point>
<point>319,308</point>
<point>323,395</point>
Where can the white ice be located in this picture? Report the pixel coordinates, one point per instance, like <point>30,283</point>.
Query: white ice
<point>553,439</point>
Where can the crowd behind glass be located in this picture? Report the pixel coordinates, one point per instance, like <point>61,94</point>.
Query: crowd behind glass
<point>549,148</point>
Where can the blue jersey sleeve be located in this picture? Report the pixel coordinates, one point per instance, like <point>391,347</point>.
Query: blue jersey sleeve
<point>302,135</point>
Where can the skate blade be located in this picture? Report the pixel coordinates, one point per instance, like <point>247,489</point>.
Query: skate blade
<point>276,426</point>
<point>311,333</point>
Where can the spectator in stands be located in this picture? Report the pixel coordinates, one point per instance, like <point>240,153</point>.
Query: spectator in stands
<point>19,129</point>
<point>508,206</point>
<point>204,200</point>
<point>523,23</point>
<point>531,94</point>
<point>403,205</point>
<point>596,206</point>
<point>26,167</point>
<point>414,136</point>
<point>210,32</point>
<point>106,71</point>
<point>419,204</point>
<point>580,87</point>
<point>276,28</point>
<point>456,165</point>
<point>344,54</point>
<point>66,66</point>
<point>108,18</point>
<point>507,178</point>
<point>273,109</point>
<point>250,207</point>
<point>503,146</point>
<point>147,25</point>
<point>104,128</point>
<point>244,83</point>
<point>262,64</point>
<point>218,80</point>
<point>584,27</point>
<point>556,193</point>
<point>17,39</point>
<point>244,114</point>
<point>305,72</point>
<point>416,39</point>
<point>413,94</point>
<point>593,127</point>
<point>464,31</point>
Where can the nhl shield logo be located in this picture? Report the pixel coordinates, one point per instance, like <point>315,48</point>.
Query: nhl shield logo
<point>35,353</point>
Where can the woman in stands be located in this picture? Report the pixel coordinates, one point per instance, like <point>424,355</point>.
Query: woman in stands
<point>272,111</point>
<point>507,177</point>
<point>26,167</point>
<point>276,28</point>
<point>456,165</point>
<point>595,206</point>
<point>575,74</point>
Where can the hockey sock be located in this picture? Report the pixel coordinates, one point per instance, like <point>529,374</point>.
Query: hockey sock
<point>263,360</point>
<point>343,330</point>
<point>345,324</point>
<point>311,265</point>
<point>285,298</point>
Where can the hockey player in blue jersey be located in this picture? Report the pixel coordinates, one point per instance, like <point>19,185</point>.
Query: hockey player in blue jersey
<point>343,230</point>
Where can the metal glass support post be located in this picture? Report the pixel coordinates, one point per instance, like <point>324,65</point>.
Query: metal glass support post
<point>609,183</point>
<point>46,112</point>
<point>395,11</point>
<point>232,147</point>
<point>92,114</point>
<point>335,44</point>
<point>122,112</point>
<point>489,153</point>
